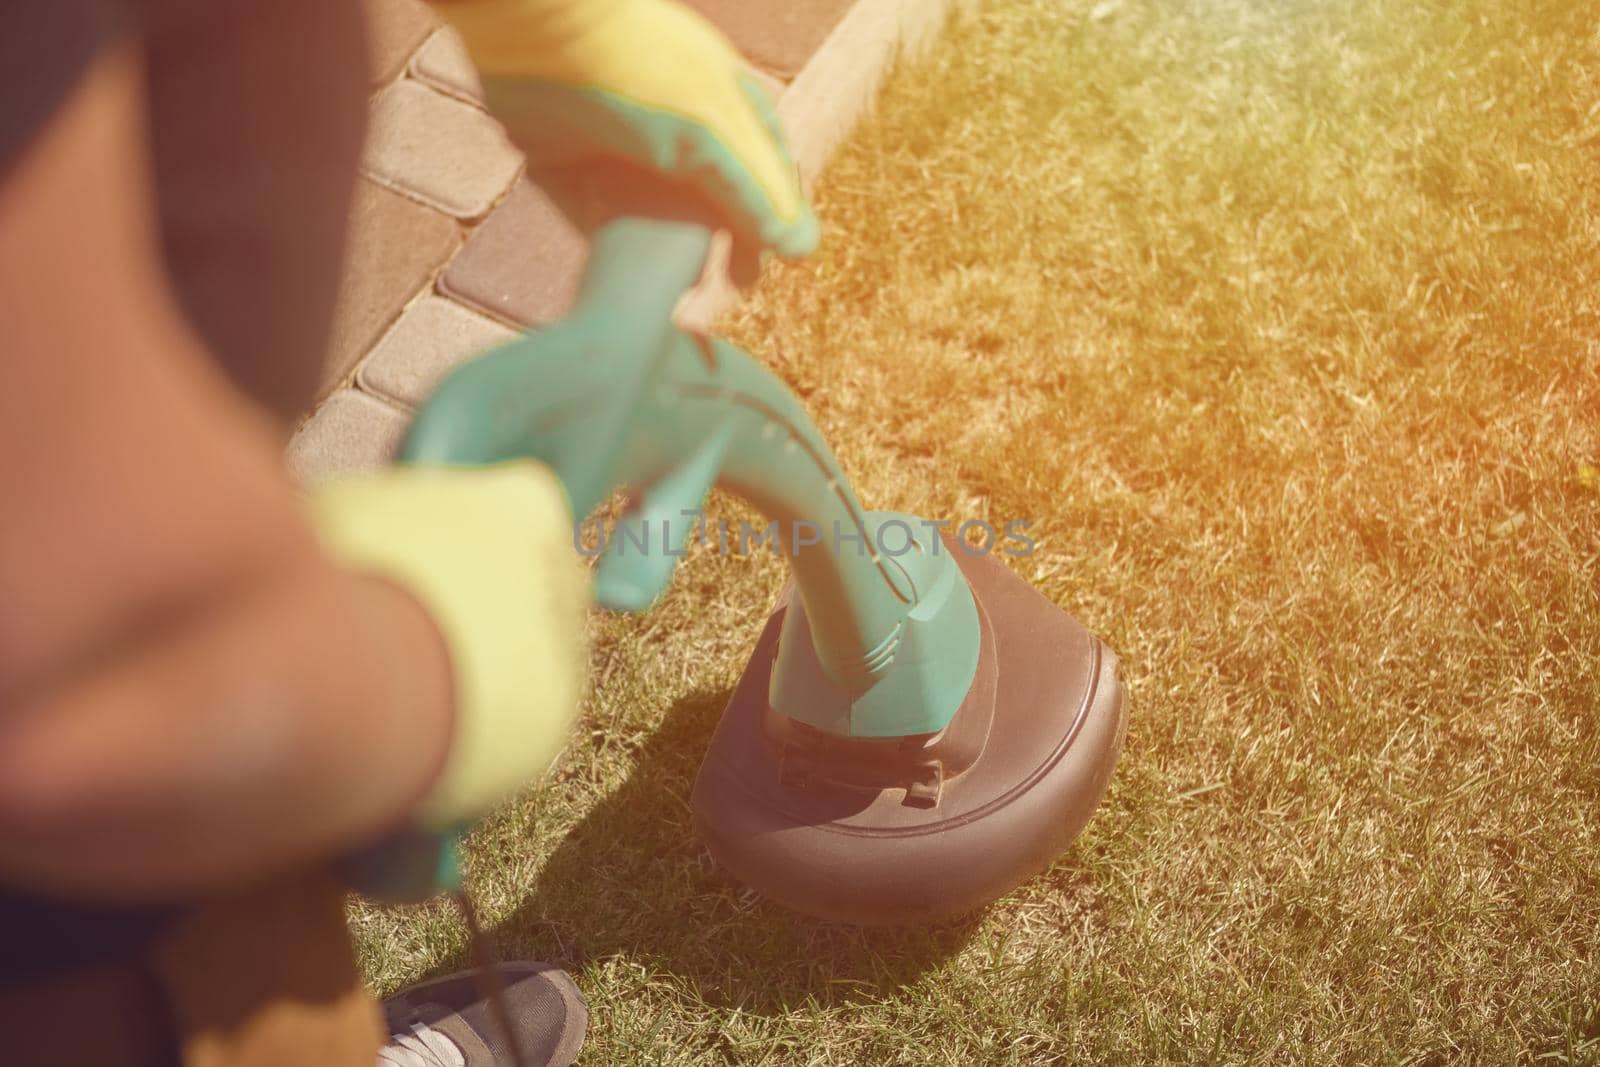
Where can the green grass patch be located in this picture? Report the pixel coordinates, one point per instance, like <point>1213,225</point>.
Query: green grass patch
<point>1280,319</point>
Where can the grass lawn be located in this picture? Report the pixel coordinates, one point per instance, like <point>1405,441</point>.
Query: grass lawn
<point>1280,319</point>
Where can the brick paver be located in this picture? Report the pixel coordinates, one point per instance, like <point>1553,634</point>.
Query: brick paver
<point>522,265</point>
<point>445,153</point>
<point>396,248</point>
<point>779,35</point>
<point>431,337</point>
<point>438,174</point>
<point>395,30</point>
<point>351,432</point>
<point>444,64</point>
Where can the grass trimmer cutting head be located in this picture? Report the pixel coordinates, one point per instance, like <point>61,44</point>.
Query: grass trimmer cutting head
<point>912,829</point>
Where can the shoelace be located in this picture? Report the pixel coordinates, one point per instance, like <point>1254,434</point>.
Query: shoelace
<point>422,1047</point>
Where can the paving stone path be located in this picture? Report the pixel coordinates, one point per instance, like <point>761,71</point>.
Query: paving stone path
<point>452,249</point>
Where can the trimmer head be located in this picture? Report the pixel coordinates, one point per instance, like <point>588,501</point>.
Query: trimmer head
<point>910,830</point>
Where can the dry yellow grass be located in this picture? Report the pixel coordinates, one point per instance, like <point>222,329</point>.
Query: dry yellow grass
<point>1281,320</point>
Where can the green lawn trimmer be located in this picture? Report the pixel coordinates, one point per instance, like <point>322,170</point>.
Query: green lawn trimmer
<point>918,730</point>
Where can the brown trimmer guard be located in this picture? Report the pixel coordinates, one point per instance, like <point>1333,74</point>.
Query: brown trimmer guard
<point>917,829</point>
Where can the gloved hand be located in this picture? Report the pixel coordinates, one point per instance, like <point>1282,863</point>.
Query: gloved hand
<point>488,552</point>
<point>646,81</point>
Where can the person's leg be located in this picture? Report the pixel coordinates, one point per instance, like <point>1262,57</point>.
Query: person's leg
<point>259,978</point>
<point>267,977</point>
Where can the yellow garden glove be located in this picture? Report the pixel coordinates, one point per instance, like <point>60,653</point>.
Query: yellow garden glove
<point>647,82</point>
<point>488,552</point>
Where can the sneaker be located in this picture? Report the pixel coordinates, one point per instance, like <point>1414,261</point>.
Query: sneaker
<point>448,1023</point>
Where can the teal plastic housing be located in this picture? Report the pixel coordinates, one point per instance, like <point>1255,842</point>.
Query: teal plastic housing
<point>614,396</point>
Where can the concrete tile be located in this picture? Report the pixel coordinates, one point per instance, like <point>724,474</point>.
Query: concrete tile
<point>395,30</point>
<point>446,153</point>
<point>823,104</point>
<point>396,248</point>
<point>444,64</point>
<point>430,339</point>
<point>351,431</point>
<point>522,264</point>
<point>779,37</point>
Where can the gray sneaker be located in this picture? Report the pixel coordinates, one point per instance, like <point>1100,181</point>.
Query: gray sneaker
<point>448,1023</point>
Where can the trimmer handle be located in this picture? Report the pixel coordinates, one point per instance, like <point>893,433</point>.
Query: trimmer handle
<point>615,396</point>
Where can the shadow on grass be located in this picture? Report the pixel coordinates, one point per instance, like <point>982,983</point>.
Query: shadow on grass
<point>632,880</point>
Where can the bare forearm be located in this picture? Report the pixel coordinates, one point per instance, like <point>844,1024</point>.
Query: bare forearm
<point>190,691</point>
<point>289,722</point>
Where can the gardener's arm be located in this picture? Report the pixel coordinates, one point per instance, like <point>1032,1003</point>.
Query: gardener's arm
<point>190,690</point>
